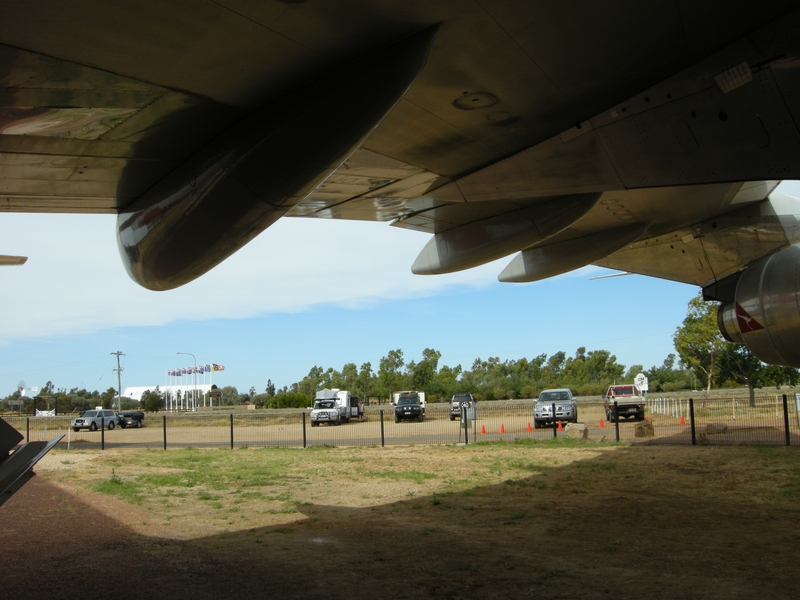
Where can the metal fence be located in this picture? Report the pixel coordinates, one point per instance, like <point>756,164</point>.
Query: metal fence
<point>769,420</point>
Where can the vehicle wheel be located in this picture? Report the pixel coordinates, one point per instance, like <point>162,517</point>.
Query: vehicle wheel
<point>76,429</point>
<point>93,427</point>
<point>421,418</point>
<point>123,423</point>
<point>575,420</point>
<point>138,424</point>
<point>452,418</point>
<point>396,420</point>
<point>111,425</point>
<point>537,425</point>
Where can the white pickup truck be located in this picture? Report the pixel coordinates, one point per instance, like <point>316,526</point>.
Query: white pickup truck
<point>630,402</point>
<point>325,411</point>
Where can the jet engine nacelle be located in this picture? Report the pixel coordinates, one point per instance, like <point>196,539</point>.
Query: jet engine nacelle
<point>765,314</point>
<point>250,176</point>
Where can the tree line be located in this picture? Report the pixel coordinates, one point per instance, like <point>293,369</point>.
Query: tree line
<point>702,357</point>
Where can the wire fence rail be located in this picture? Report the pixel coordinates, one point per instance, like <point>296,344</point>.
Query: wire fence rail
<point>769,420</point>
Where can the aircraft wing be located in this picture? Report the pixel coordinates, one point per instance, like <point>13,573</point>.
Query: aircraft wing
<point>643,136</point>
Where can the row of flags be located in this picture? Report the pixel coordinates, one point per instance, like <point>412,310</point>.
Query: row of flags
<point>212,368</point>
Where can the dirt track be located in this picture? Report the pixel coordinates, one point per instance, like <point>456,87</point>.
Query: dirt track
<point>613,522</point>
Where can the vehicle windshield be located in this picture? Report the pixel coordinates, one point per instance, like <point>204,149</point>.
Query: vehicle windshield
<point>462,398</point>
<point>406,400</point>
<point>89,413</point>
<point>324,404</point>
<point>553,396</point>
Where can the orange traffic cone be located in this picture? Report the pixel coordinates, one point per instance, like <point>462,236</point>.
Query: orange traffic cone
<point>529,427</point>
<point>502,428</point>
<point>559,428</point>
<point>683,421</point>
<point>483,429</point>
<point>602,424</point>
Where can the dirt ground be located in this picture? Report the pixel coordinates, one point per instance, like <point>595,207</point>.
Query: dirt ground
<point>549,520</point>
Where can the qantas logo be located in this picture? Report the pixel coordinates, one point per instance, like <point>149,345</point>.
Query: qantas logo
<point>745,321</point>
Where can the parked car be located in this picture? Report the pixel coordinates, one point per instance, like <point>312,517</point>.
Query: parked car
<point>565,405</point>
<point>630,402</point>
<point>94,420</point>
<point>459,400</point>
<point>408,407</point>
<point>132,418</point>
<point>325,411</point>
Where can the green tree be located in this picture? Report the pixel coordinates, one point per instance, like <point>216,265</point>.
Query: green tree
<point>230,396</point>
<point>152,401</point>
<point>349,377</point>
<point>270,389</point>
<point>366,380</point>
<point>698,340</point>
<point>390,371</point>
<point>309,385</point>
<point>736,362</point>
<point>424,372</point>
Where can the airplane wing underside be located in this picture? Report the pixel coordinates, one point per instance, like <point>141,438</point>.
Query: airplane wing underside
<point>646,137</point>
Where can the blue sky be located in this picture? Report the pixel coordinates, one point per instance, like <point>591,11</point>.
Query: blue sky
<point>306,292</point>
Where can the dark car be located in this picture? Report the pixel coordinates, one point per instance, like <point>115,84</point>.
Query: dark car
<point>459,400</point>
<point>131,418</point>
<point>408,407</point>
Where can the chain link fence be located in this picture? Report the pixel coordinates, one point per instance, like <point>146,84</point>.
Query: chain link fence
<point>770,420</point>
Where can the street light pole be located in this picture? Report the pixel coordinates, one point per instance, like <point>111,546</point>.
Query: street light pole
<point>194,380</point>
<point>119,381</point>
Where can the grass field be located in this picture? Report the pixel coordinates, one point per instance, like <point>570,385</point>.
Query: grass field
<point>544,519</point>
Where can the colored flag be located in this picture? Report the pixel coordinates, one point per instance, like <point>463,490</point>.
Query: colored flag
<point>201,369</point>
<point>208,368</point>
<point>217,367</point>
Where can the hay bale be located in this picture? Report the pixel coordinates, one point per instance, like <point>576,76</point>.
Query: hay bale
<point>644,429</point>
<point>578,431</point>
<point>713,428</point>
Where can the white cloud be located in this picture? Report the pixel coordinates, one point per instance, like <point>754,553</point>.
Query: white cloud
<point>74,281</point>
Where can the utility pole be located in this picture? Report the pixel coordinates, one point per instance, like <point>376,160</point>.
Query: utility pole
<point>119,380</point>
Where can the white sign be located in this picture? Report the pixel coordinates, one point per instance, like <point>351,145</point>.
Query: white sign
<point>641,382</point>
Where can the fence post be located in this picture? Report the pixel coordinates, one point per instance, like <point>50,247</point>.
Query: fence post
<point>383,439</point>
<point>304,430</point>
<point>464,424</point>
<point>786,420</point>
<point>102,433</point>
<point>797,409</point>
<point>164,420</point>
<point>691,420</point>
<point>555,421</point>
<point>616,419</point>
<point>27,429</point>
<point>231,431</point>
